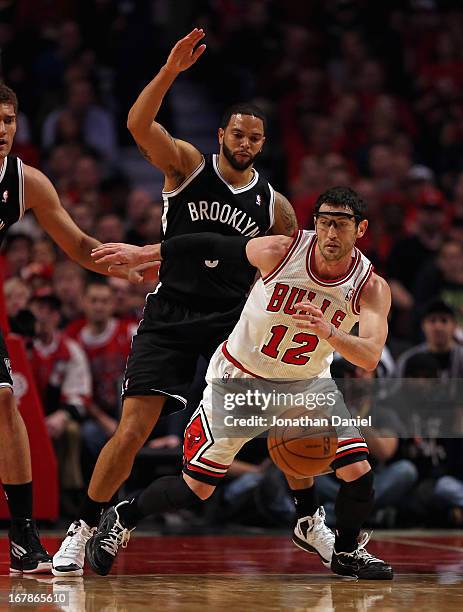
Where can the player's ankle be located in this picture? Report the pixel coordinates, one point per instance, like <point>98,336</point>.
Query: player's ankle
<point>129,513</point>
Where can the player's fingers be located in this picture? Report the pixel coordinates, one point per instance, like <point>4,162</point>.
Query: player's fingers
<point>191,39</point>
<point>307,306</point>
<point>108,245</point>
<point>307,317</point>
<point>102,253</point>
<point>135,277</point>
<point>198,52</point>
<point>197,34</point>
<point>114,258</point>
<point>307,325</point>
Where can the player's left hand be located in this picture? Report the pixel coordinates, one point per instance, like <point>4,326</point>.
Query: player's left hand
<point>313,320</point>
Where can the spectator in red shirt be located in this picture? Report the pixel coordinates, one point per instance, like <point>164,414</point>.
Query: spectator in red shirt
<point>106,340</point>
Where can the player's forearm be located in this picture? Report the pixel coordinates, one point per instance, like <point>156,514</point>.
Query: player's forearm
<point>147,105</point>
<point>362,352</point>
<point>81,254</point>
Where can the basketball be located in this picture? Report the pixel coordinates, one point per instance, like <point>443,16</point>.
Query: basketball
<point>302,442</point>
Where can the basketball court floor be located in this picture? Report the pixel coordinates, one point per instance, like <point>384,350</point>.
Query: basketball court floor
<point>249,573</point>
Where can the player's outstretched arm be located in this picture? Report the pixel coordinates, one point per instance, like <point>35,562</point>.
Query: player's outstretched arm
<point>365,349</point>
<point>263,253</point>
<point>41,197</point>
<point>175,158</point>
<point>285,218</point>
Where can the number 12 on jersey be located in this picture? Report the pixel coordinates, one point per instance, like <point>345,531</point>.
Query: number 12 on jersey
<point>296,355</point>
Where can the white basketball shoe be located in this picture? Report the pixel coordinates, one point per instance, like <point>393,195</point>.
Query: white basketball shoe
<point>312,535</point>
<point>70,558</point>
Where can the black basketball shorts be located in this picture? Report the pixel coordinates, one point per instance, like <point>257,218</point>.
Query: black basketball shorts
<point>5,368</point>
<point>165,350</point>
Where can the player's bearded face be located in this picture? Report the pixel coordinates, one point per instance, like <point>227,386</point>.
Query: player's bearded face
<point>242,140</point>
<point>237,160</point>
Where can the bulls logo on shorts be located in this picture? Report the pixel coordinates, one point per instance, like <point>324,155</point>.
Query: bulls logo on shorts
<point>196,436</point>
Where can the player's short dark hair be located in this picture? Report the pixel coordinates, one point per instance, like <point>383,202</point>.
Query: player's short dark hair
<point>7,96</point>
<point>242,108</point>
<point>344,197</point>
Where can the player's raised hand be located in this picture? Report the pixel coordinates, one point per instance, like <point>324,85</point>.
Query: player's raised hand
<point>184,54</point>
<point>313,320</point>
<point>121,253</point>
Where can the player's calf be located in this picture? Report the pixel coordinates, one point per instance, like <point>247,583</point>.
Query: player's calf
<point>353,506</point>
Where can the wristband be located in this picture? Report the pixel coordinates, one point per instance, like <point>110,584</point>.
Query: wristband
<point>331,332</point>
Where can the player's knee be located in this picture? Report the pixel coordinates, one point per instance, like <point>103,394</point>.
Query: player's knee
<point>200,489</point>
<point>353,471</point>
<point>129,438</point>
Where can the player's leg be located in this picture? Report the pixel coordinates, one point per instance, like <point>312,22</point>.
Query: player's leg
<point>310,532</point>
<point>113,467</point>
<point>205,463</point>
<point>155,369</point>
<point>354,504</point>
<point>26,552</point>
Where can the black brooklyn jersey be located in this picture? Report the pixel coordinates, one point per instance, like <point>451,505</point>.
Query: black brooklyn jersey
<point>12,205</point>
<point>205,202</point>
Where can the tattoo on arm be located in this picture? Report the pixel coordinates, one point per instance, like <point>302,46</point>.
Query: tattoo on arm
<point>285,217</point>
<point>163,129</point>
<point>144,152</point>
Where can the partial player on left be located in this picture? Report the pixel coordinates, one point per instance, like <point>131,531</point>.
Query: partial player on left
<point>23,187</point>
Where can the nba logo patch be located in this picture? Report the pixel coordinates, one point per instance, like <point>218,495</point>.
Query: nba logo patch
<point>8,365</point>
<point>5,197</point>
<point>258,200</point>
<point>349,294</point>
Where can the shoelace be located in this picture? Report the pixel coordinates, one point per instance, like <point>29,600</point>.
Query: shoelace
<point>361,552</point>
<point>75,539</point>
<point>324,532</point>
<point>118,536</point>
<point>318,525</point>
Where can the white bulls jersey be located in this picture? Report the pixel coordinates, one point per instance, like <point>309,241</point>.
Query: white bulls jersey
<point>266,341</point>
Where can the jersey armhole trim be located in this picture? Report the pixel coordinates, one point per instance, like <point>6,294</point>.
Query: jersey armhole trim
<point>358,291</point>
<point>22,204</point>
<point>186,181</point>
<point>271,208</point>
<point>3,168</point>
<point>284,260</point>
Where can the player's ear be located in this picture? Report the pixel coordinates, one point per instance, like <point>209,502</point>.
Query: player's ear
<point>262,145</point>
<point>221,134</point>
<point>362,228</point>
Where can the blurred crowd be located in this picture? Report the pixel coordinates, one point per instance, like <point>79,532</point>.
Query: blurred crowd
<point>361,94</point>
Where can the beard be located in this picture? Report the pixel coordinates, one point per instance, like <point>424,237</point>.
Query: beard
<point>234,163</point>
